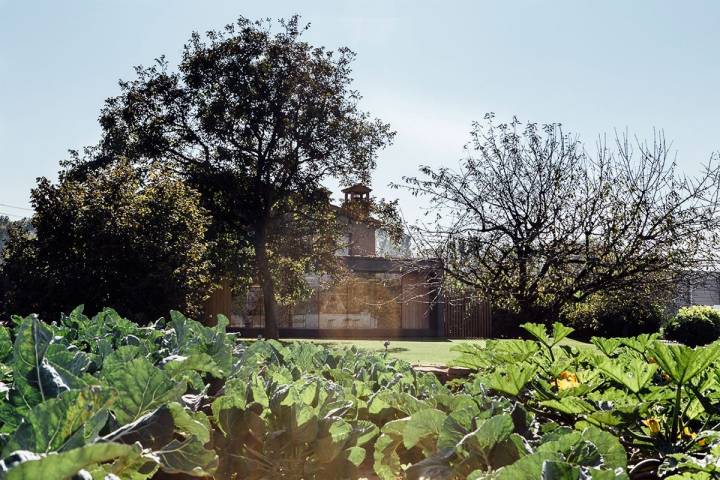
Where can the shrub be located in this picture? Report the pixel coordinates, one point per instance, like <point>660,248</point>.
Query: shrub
<point>505,323</point>
<point>613,315</point>
<point>693,326</point>
<point>121,236</point>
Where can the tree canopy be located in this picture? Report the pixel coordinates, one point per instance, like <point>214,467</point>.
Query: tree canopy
<point>122,237</point>
<point>6,224</point>
<point>254,118</point>
<point>531,221</point>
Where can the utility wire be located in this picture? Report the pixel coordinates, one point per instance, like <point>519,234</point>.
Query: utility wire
<point>17,208</point>
<point>11,215</point>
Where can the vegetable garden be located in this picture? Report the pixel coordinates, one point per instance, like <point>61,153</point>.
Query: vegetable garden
<point>104,398</point>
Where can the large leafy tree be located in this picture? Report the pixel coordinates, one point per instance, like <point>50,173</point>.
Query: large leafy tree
<point>532,222</point>
<point>121,237</point>
<point>255,119</point>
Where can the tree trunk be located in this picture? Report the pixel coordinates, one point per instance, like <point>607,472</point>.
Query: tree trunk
<point>530,313</point>
<point>268,289</point>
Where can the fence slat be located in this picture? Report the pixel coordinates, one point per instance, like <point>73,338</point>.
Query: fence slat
<point>467,318</point>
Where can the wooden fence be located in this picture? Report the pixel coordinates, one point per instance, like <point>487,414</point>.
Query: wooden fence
<point>459,318</point>
<point>467,318</point>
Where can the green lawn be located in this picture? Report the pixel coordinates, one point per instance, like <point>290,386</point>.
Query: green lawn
<point>426,351</point>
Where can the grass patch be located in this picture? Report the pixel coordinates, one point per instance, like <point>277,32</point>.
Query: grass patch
<point>427,351</point>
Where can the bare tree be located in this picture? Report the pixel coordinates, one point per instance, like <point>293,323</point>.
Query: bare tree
<point>531,221</point>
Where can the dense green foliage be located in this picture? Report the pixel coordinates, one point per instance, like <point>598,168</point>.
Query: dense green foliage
<point>614,315</point>
<point>110,397</point>
<point>124,237</point>
<point>659,400</point>
<point>4,230</point>
<point>6,225</point>
<point>106,398</point>
<point>694,325</point>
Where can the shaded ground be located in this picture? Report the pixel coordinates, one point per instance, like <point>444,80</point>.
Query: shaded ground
<point>425,351</point>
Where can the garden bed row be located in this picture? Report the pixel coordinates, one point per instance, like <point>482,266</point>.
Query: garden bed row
<point>104,398</point>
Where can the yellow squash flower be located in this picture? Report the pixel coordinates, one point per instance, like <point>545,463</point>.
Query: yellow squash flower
<point>566,380</point>
<point>688,434</point>
<point>653,424</point>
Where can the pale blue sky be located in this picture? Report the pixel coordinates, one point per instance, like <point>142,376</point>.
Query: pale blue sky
<point>427,67</point>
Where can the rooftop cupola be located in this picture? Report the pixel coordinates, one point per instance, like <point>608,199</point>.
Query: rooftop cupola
<point>357,192</point>
<point>361,227</point>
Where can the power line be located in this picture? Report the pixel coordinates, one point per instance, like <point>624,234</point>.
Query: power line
<point>17,208</point>
<point>11,215</point>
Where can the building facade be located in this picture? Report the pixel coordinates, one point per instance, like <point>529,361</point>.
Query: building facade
<point>379,297</point>
<point>702,289</point>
